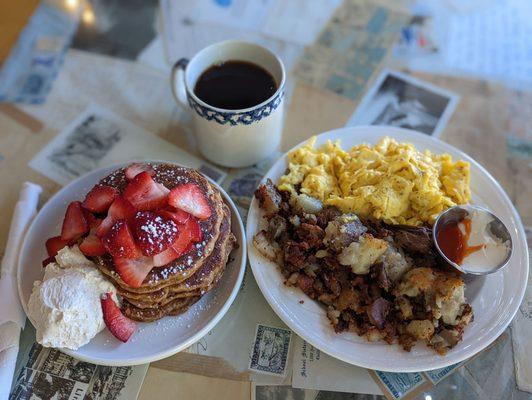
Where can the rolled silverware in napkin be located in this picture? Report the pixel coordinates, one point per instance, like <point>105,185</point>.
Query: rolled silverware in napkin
<point>12,316</point>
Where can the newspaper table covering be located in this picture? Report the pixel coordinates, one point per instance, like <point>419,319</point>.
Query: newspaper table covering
<point>350,48</point>
<point>488,376</point>
<point>485,40</point>
<point>499,378</point>
<point>270,350</point>
<point>34,61</point>
<point>241,326</point>
<point>45,373</point>
<point>313,369</point>
<point>98,138</point>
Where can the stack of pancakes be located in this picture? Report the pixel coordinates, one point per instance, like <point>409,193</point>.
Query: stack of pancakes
<point>173,288</point>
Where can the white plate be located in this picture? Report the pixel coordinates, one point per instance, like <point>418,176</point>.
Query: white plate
<point>495,299</point>
<point>154,340</point>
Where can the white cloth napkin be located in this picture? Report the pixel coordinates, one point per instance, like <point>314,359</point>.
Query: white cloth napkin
<point>12,316</point>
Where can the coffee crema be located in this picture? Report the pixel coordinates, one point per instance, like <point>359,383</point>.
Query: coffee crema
<point>235,85</point>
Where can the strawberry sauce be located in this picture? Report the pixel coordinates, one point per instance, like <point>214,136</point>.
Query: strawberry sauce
<point>453,240</point>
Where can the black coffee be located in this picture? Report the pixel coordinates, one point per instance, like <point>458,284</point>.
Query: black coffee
<point>234,85</point>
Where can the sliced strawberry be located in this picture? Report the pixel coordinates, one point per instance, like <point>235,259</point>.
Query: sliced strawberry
<point>182,241</point>
<point>95,223</point>
<point>188,248</point>
<point>189,233</point>
<point>120,209</point>
<point>146,194</point>
<point>92,246</point>
<point>118,324</point>
<point>91,219</point>
<point>119,241</point>
<point>133,270</point>
<point>178,248</point>
<point>177,215</point>
<point>195,230</point>
<point>154,232</point>
<point>165,257</point>
<point>47,261</point>
<point>100,198</point>
<point>189,197</point>
<point>54,244</point>
<point>136,168</point>
<point>75,224</point>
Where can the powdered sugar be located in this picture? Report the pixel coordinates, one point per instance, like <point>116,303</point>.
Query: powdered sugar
<point>153,232</point>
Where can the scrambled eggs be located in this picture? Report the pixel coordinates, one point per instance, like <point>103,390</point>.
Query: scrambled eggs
<point>390,181</point>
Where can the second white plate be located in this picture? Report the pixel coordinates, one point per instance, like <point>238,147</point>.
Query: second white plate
<point>495,299</point>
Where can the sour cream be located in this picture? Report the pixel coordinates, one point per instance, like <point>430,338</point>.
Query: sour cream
<point>470,243</point>
<point>492,252</point>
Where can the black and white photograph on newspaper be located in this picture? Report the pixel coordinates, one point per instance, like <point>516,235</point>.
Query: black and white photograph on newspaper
<point>399,100</point>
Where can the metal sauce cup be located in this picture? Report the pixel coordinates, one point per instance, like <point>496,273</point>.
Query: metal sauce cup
<point>496,228</point>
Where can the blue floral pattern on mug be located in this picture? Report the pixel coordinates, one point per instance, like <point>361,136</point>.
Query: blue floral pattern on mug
<point>236,118</point>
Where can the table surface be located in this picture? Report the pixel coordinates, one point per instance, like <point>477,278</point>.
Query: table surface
<point>491,123</point>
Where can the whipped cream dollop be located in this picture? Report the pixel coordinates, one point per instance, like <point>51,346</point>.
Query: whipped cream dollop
<point>65,306</point>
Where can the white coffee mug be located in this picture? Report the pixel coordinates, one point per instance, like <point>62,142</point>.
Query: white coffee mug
<point>232,138</point>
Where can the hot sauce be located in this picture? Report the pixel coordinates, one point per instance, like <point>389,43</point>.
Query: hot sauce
<point>453,238</point>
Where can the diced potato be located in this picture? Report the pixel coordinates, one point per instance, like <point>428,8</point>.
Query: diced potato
<point>405,307</point>
<point>395,263</point>
<point>420,328</point>
<point>450,309</point>
<point>363,254</point>
<point>292,279</point>
<point>374,335</point>
<point>342,231</point>
<point>265,247</point>
<point>322,254</point>
<point>415,282</point>
<point>334,315</point>
<point>308,204</point>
